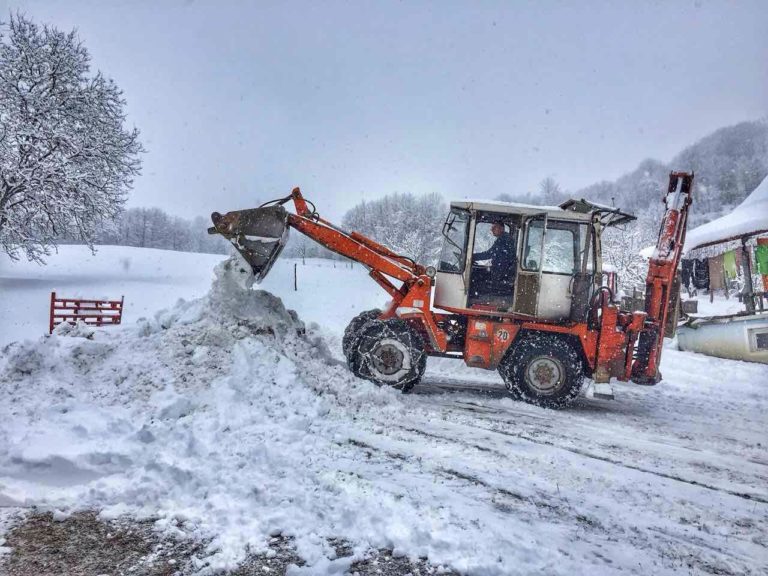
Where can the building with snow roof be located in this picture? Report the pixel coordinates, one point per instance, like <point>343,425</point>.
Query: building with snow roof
<point>732,249</point>
<point>735,244</point>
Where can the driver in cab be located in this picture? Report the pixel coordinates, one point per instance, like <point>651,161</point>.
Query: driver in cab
<point>502,257</point>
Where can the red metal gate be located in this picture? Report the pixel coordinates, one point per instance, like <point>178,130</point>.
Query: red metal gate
<point>91,312</point>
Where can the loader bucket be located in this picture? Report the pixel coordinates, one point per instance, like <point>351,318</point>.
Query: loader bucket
<point>259,234</point>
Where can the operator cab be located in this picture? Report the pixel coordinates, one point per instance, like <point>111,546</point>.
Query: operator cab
<point>508,258</point>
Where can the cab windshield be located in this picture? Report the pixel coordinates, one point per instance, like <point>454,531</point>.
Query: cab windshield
<point>452,256</point>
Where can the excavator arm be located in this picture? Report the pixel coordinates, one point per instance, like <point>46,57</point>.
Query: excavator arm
<point>260,234</point>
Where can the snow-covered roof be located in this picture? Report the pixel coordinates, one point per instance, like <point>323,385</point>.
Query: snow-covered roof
<point>747,219</point>
<point>519,208</point>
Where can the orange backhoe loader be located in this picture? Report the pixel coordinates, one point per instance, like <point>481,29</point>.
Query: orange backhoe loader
<point>531,304</point>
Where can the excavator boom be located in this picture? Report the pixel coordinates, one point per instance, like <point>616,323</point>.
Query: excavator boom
<point>260,234</point>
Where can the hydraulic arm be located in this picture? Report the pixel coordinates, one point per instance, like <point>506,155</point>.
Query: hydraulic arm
<point>661,292</point>
<point>260,234</point>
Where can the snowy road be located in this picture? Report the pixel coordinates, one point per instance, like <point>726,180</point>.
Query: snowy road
<point>212,419</point>
<point>656,481</point>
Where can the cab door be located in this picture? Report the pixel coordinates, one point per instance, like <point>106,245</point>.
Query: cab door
<point>552,256</point>
<point>528,283</point>
<point>452,278</point>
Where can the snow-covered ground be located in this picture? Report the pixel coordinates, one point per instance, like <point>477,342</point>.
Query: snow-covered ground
<point>719,306</point>
<point>220,421</point>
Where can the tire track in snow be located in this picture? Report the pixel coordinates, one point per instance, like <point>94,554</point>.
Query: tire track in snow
<point>499,497</point>
<point>546,427</point>
<point>608,459</point>
<point>559,510</point>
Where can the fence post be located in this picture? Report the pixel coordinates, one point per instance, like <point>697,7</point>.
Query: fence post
<point>50,322</point>
<point>295,278</point>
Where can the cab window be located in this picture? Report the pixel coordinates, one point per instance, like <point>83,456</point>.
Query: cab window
<point>483,237</point>
<point>561,247</point>
<point>453,253</point>
<point>559,253</point>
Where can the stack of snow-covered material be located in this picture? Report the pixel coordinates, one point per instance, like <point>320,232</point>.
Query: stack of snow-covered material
<point>750,218</point>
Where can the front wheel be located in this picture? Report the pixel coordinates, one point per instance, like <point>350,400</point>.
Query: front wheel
<point>544,370</point>
<point>353,329</point>
<point>389,352</point>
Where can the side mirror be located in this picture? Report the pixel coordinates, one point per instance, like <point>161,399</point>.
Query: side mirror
<point>448,226</point>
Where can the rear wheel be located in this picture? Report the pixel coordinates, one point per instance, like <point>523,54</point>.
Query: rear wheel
<point>543,369</point>
<point>389,352</point>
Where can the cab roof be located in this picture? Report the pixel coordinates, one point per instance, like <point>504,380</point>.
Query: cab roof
<point>520,209</point>
<point>575,210</point>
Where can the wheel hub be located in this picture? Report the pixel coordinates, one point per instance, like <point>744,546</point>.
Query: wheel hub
<point>545,375</point>
<point>387,359</point>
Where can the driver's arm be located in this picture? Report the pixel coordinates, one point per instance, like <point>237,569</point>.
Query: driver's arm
<point>488,254</point>
<point>482,256</point>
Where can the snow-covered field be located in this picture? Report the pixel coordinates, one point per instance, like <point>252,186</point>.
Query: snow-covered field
<point>152,279</point>
<point>217,419</point>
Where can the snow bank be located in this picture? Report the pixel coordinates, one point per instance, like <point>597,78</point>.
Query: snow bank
<point>223,417</point>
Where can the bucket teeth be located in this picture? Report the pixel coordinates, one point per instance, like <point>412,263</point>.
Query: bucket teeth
<point>258,234</point>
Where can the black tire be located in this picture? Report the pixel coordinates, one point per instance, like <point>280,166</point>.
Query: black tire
<point>353,328</point>
<point>389,352</point>
<point>544,370</point>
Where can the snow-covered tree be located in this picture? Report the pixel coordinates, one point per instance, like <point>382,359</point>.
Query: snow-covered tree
<point>519,198</point>
<point>154,228</point>
<point>66,158</point>
<point>729,164</point>
<point>410,225</point>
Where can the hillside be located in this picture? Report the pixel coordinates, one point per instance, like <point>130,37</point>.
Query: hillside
<point>729,164</point>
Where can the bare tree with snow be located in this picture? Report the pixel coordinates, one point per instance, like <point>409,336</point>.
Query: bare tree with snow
<point>622,246</point>
<point>67,160</point>
<point>551,193</point>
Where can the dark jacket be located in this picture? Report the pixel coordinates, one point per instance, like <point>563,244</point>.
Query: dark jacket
<point>503,258</point>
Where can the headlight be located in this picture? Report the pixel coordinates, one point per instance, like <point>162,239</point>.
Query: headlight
<point>430,271</point>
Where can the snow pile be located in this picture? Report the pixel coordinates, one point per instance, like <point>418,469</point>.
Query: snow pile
<point>228,420</point>
<point>224,417</point>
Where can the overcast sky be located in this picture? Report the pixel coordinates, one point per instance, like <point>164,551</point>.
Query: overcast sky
<point>238,102</point>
